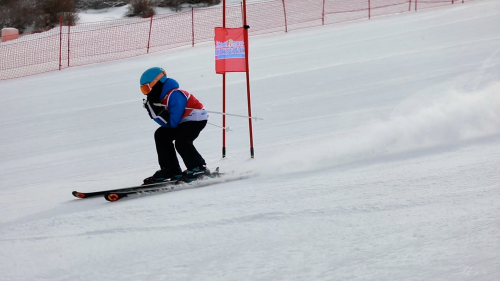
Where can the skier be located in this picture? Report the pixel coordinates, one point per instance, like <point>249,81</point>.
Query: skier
<point>182,117</point>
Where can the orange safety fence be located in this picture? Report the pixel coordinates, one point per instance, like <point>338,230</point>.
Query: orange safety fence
<point>96,42</point>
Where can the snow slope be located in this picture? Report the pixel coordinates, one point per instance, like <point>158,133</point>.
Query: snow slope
<point>377,159</point>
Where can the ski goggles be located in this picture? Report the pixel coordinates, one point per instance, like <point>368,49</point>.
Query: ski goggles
<point>146,88</point>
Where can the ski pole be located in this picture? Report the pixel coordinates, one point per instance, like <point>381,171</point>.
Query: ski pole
<point>225,128</point>
<point>216,112</point>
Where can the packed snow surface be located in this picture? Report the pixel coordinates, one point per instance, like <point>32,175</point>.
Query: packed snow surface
<point>378,159</point>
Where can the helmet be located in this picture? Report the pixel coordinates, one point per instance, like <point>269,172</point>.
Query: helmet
<point>150,77</point>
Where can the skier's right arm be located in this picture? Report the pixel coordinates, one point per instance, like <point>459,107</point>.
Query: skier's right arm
<point>159,114</point>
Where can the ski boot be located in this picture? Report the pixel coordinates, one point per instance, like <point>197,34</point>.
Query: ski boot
<point>164,175</point>
<point>194,174</point>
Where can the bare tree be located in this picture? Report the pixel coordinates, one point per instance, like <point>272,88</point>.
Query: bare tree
<point>48,13</point>
<point>141,8</point>
<point>17,14</point>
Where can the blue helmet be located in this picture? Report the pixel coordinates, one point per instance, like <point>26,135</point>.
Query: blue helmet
<point>149,75</point>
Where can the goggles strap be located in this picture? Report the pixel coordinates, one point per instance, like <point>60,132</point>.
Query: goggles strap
<point>153,83</point>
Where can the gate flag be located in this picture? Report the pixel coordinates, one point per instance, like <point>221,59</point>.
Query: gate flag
<point>229,50</point>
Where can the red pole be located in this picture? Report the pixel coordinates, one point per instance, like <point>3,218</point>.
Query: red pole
<point>245,33</point>
<point>223,116</point>
<point>284,11</point>
<point>60,42</point>
<point>150,28</point>
<point>69,32</point>
<point>369,9</point>
<point>409,7</point>
<point>224,90</point>
<point>192,24</point>
<point>416,5</point>
<point>323,16</point>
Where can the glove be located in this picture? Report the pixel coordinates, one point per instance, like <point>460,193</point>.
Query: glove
<point>157,112</point>
<point>146,105</point>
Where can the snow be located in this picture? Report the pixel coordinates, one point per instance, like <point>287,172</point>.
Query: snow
<point>377,159</point>
<point>92,15</point>
<point>114,13</point>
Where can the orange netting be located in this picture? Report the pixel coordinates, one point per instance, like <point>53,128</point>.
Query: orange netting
<point>88,43</point>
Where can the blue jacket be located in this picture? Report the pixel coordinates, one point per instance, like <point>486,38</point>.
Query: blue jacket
<point>176,105</point>
<point>177,102</point>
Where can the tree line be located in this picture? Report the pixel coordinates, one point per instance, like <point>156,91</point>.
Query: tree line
<point>30,15</point>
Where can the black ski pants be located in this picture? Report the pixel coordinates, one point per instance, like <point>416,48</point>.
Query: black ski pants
<point>183,135</point>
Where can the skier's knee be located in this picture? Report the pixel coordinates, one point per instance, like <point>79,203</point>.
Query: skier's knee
<point>182,144</point>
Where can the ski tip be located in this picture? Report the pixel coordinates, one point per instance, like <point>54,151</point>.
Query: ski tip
<point>112,197</point>
<point>78,194</point>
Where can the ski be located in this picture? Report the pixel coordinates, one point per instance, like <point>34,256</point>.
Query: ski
<point>84,195</point>
<point>115,196</point>
<point>210,180</point>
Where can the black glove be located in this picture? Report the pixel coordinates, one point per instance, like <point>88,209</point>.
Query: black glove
<point>145,104</point>
<point>156,111</point>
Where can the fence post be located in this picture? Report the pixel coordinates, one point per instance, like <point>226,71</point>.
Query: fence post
<point>416,5</point>
<point>60,42</point>
<point>192,25</point>
<point>284,11</point>
<point>323,17</point>
<point>150,28</point>
<point>69,32</point>
<point>409,6</point>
